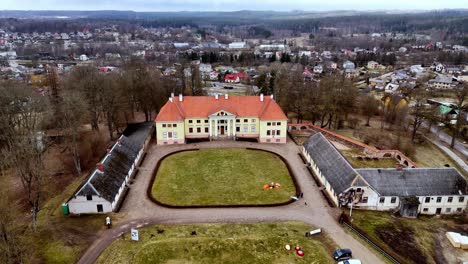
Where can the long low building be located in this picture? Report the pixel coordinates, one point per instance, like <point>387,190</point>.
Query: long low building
<point>412,191</point>
<point>104,189</point>
<point>215,117</point>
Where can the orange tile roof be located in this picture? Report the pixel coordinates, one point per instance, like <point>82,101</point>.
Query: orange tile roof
<point>203,106</point>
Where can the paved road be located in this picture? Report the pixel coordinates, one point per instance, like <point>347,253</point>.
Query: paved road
<point>139,211</point>
<point>446,138</point>
<point>452,155</point>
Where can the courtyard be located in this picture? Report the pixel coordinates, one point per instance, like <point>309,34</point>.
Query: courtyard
<point>216,177</point>
<point>220,243</point>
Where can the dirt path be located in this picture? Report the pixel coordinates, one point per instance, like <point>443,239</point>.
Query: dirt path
<point>139,211</point>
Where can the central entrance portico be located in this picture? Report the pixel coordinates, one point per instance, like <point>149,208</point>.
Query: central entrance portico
<point>222,124</point>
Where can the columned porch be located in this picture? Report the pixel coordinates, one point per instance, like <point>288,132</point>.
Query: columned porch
<point>222,126</point>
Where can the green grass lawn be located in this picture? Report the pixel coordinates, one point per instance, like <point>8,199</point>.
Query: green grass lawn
<point>222,177</point>
<point>220,243</point>
<point>412,239</point>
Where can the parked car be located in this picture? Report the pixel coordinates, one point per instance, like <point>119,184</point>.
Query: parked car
<point>350,261</point>
<point>342,254</point>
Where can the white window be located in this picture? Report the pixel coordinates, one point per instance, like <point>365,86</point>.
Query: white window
<point>253,120</point>
<point>253,128</point>
<point>448,210</point>
<point>174,134</point>
<point>246,128</point>
<point>164,134</point>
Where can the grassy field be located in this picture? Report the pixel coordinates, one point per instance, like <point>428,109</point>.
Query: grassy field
<point>367,163</point>
<point>62,239</point>
<point>416,240</point>
<point>429,155</point>
<point>426,154</point>
<point>220,243</point>
<point>222,177</point>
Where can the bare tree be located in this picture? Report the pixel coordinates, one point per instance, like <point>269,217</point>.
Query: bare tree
<point>419,112</point>
<point>11,250</point>
<point>86,79</point>
<point>73,114</point>
<point>369,107</point>
<point>24,147</point>
<point>461,106</point>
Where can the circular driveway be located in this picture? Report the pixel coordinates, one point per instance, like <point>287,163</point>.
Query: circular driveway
<point>138,210</point>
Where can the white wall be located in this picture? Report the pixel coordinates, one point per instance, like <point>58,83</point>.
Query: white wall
<point>432,205</point>
<point>80,205</point>
<point>374,203</point>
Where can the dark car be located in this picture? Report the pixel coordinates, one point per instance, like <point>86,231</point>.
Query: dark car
<point>342,254</point>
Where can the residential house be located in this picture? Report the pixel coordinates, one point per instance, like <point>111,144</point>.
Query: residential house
<point>394,105</point>
<point>413,191</point>
<point>392,88</point>
<point>403,49</point>
<point>372,65</point>
<point>452,69</point>
<point>273,47</point>
<point>417,69</point>
<point>238,45</point>
<point>318,69</point>
<point>331,65</point>
<point>377,83</point>
<point>351,73</point>
<point>307,74</point>
<point>349,65</point>
<point>183,45</point>
<point>104,189</point>
<point>231,78</point>
<point>326,54</point>
<point>83,57</point>
<point>214,75</point>
<point>442,82</point>
<point>209,117</point>
<point>438,67</point>
<point>205,70</point>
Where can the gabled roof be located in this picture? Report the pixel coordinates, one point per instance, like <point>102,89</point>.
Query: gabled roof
<point>334,167</point>
<point>117,163</point>
<point>415,181</point>
<point>203,106</point>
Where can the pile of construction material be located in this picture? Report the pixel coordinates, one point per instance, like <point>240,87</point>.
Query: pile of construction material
<point>457,240</point>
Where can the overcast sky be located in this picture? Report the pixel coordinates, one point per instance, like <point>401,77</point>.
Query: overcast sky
<point>229,5</point>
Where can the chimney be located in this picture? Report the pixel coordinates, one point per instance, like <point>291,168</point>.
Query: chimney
<point>170,99</point>
<point>261,97</point>
<point>172,95</point>
<point>100,167</point>
<point>216,96</point>
<point>271,96</point>
<point>108,151</point>
<point>226,96</point>
<point>181,97</point>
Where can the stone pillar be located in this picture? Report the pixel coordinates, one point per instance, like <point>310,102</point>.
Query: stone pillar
<point>234,127</point>
<point>216,128</point>
<point>210,125</point>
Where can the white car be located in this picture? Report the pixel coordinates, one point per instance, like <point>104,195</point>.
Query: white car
<point>350,261</point>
